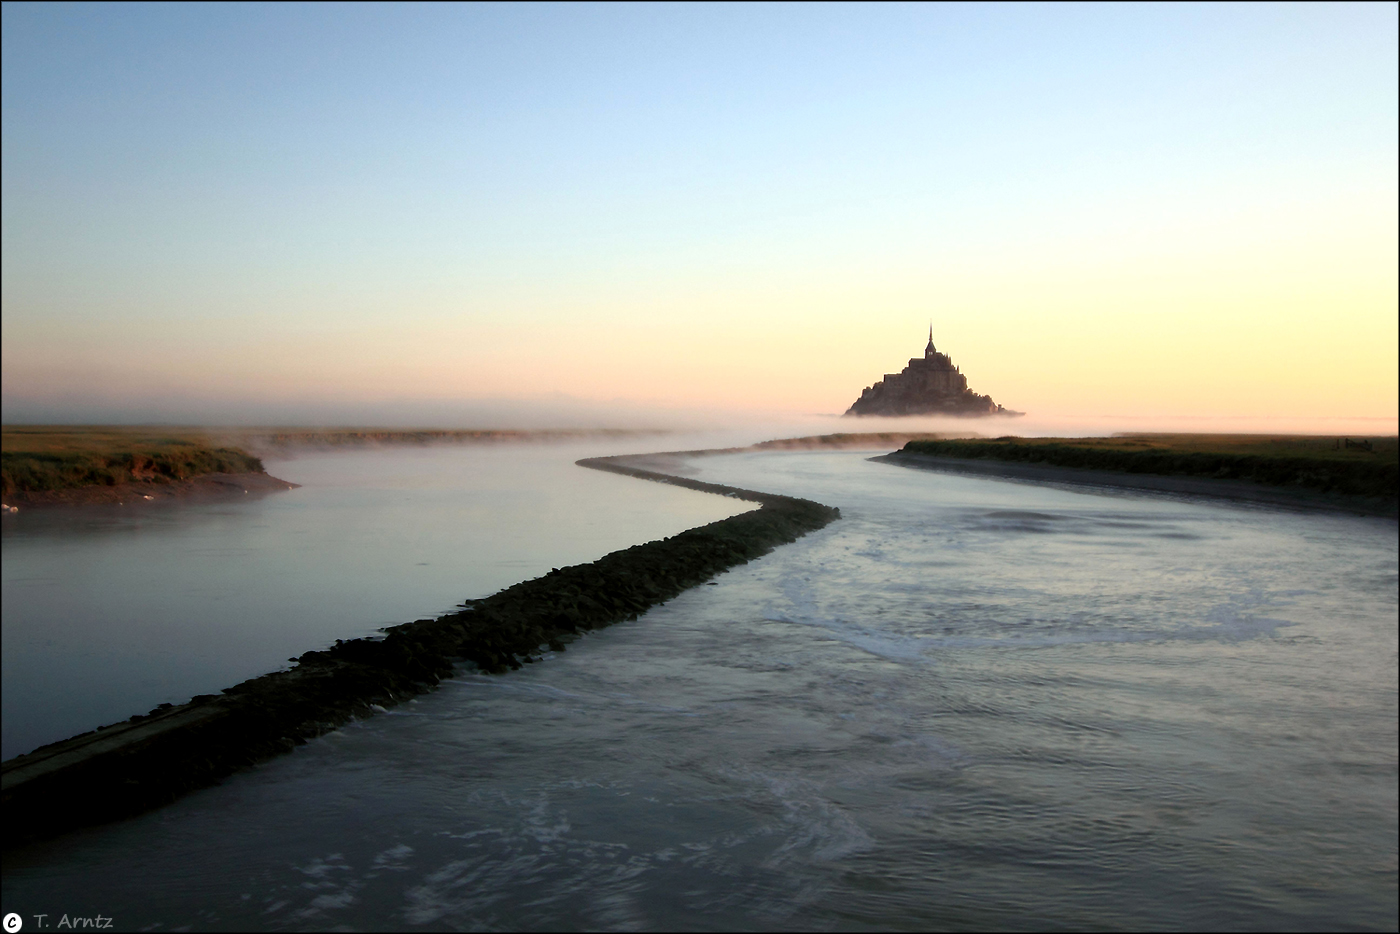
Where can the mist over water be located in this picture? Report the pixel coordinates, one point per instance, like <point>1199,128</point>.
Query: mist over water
<point>562,411</point>
<point>968,703</point>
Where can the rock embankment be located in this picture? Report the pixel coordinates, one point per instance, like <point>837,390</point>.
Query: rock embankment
<point>152,759</point>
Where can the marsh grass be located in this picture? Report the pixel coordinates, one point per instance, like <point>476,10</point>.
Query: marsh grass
<point>40,458</point>
<point>1350,466</point>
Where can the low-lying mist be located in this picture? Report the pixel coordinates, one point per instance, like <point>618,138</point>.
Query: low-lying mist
<point>726,426</point>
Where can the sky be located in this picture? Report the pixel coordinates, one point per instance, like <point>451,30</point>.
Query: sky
<point>437,214</point>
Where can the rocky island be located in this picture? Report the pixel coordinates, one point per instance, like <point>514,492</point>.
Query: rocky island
<point>929,385</point>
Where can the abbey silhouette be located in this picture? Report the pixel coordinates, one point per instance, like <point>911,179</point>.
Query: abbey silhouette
<point>929,385</point>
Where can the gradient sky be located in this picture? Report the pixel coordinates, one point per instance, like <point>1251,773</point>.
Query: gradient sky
<point>1132,210</point>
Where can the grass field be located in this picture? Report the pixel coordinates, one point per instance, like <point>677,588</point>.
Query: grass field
<point>1350,466</point>
<point>40,458</point>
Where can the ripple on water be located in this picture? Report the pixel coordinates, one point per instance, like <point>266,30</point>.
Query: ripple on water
<point>967,704</point>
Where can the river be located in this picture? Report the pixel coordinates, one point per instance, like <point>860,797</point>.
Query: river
<point>967,704</point>
<point>111,610</point>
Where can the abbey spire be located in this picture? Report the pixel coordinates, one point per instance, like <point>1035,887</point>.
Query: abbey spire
<point>929,385</point>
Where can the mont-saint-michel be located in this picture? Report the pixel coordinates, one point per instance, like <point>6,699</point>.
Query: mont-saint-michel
<point>458,528</point>
<point>929,385</point>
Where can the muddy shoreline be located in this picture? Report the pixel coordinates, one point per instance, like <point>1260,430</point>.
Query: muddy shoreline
<point>1239,491</point>
<point>152,759</point>
<point>203,488</point>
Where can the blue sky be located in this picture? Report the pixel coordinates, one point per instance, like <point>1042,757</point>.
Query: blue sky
<point>311,201</point>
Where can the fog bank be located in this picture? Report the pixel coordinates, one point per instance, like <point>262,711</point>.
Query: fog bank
<point>726,425</point>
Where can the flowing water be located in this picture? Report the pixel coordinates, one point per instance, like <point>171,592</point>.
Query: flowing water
<point>966,704</point>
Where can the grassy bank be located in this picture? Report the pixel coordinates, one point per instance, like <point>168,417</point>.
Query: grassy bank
<point>1352,467</point>
<point>41,458</point>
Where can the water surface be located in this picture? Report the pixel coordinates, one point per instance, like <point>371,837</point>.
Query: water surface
<point>111,610</point>
<point>969,703</point>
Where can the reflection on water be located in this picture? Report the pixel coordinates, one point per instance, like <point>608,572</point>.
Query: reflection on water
<point>966,704</point>
<point>111,610</point>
